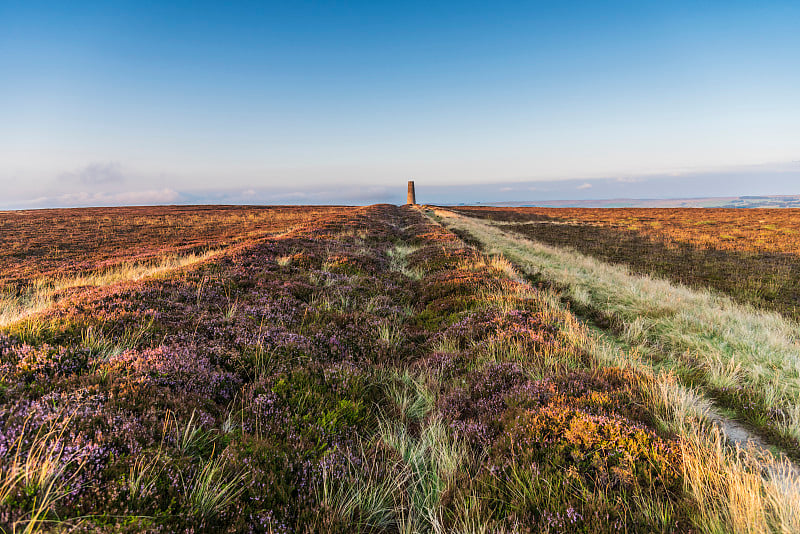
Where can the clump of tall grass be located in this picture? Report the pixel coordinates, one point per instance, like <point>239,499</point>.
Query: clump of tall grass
<point>678,407</point>
<point>365,494</point>
<point>402,492</point>
<point>391,335</point>
<point>36,464</point>
<point>335,301</point>
<point>406,467</point>
<point>445,344</point>
<point>432,461</point>
<point>741,491</point>
<point>189,437</point>
<point>495,262</point>
<point>103,346</point>
<point>397,260</point>
<point>213,490</point>
<point>143,475</point>
<point>410,395</point>
<point>734,489</point>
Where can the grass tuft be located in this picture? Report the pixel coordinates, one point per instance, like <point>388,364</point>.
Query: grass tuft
<point>213,490</point>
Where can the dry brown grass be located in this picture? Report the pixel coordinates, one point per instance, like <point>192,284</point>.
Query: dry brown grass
<point>741,490</point>
<point>752,255</point>
<point>65,242</point>
<point>46,253</point>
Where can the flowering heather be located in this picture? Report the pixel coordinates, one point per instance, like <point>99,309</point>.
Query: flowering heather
<point>349,372</point>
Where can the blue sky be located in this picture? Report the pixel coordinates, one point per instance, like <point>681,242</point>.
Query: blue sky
<point>156,102</point>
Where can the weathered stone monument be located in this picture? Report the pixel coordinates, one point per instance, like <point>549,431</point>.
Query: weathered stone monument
<point>412,198</point>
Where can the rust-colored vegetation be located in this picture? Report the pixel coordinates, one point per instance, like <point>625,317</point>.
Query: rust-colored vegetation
<point>49,255</point>
<point>338,370</point>
<point>64,242</point>
<point>752,255</point>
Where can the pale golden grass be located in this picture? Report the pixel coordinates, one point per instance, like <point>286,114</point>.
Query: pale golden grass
<point>41,294</point>
<point>356,233</point>
<point>402,492</point>
<point>733,344</point>
<point>470,516</point>
<point>397,260</point>
<point>37,465</point>
<point>739,490</point>
<point>496,262</point>
<point>734,489</point>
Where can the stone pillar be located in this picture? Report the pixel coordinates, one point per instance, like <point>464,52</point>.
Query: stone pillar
<point>412,199</point>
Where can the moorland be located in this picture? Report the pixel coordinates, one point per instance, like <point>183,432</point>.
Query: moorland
<point>371,369</point>
<point>749,254</point>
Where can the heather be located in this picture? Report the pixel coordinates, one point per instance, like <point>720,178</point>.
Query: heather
<point>365,371</point>
<point>50,255</point>
<point>749,254</point>
<point>700,364</point>
<point>745,360</point>
<point>48,243</point>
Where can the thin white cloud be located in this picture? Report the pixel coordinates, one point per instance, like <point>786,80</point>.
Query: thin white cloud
<point>161,196</point>
<point>586,185</point>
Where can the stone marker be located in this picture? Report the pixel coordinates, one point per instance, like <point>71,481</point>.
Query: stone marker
<point>412,199</point>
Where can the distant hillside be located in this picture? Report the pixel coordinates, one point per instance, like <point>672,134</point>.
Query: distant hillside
<point>773,201</point>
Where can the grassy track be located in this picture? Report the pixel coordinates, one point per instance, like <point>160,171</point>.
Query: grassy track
<point>368,372</point>
<point>747,359</point>
<point>750,255</point>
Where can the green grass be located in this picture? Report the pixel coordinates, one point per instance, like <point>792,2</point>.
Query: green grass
<point>734,490</point>
<point>725,345</point>
<point>214,489</point>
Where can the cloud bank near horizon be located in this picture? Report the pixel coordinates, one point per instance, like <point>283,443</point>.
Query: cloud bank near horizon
<point>110,184</point>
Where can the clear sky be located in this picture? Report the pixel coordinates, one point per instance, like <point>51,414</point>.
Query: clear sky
<point>161,102</point>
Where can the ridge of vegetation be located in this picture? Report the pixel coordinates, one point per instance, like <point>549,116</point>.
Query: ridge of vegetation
<point>746,359</point>
<point>750,255</point>
<point>368,372</point>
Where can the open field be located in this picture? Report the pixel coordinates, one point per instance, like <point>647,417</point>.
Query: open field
<point>752,255</point>
<point>748,360</point>
<point>738,363</point>
<point>67,242</point>
<point>47,255</point>
<point>359,370</point>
